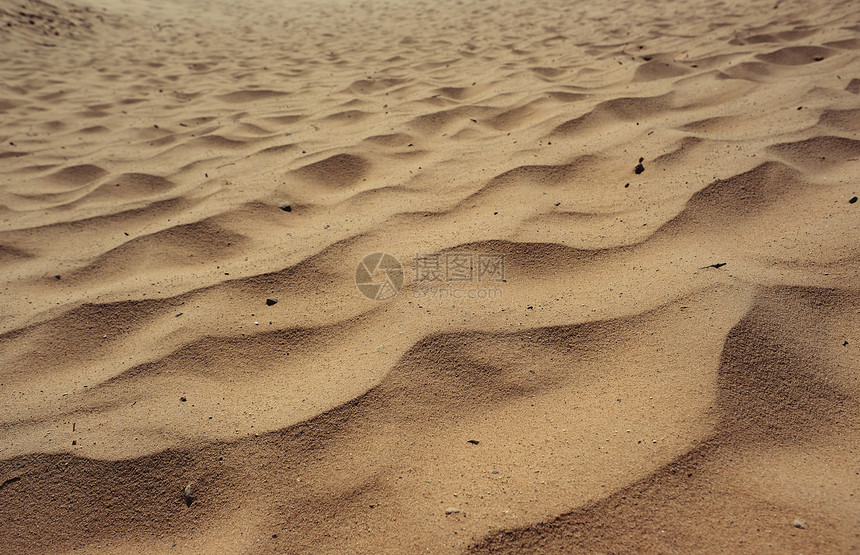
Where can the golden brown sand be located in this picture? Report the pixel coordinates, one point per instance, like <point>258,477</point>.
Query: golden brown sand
<point>671,364</point>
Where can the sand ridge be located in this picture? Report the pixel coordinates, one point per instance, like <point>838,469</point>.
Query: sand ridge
<point>670,363</point>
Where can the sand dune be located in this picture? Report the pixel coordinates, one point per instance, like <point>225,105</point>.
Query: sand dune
<point>616,357</point>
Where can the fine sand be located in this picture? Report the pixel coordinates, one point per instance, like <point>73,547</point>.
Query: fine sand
<point>664,360</point>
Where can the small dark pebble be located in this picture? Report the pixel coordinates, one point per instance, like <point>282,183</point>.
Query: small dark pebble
<point>74,442</point>
<point>800,107</point>
<point>819,58</point>
<point>852,200</point>
<point>639,167</point>
<point>845,344</point>
<point>57,276</point>
<point>270,302</point>
<point>473,441</point>
<point>557,203</point>
<point>646,58</point>
<point>183,399</point>
<point>627,185</point>
<point>180,314</point>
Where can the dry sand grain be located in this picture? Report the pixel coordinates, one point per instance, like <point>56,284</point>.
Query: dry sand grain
<point>671,364</point>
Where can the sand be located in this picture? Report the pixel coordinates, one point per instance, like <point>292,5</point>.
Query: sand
<point>611,358</point>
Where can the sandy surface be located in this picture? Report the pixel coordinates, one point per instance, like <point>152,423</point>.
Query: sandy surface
<point>664,360</point>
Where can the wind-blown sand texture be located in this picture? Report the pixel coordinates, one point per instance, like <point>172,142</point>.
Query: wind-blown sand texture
<point>672,365</point>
